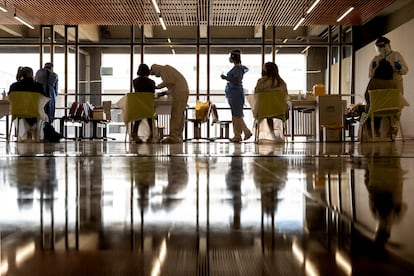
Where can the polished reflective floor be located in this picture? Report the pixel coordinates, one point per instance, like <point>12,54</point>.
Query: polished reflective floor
<point>199,208</point>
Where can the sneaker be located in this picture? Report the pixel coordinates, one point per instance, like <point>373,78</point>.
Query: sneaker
<point>247,136</point>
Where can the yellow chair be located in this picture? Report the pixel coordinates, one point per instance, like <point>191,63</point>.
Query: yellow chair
<point>268,105</point>
<point>137,106</point>
<point>385,103</point>
<point>24,104</point>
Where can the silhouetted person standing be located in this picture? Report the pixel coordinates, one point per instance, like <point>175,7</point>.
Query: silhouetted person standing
<point>49,80</point>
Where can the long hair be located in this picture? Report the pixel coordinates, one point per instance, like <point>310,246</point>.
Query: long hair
<point>272,71</point>
<point>19,73</point>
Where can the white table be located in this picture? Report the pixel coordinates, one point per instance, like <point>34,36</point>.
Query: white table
<point>306,125</point>
<point>163,105</point>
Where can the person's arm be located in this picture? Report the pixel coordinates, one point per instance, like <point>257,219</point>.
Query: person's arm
<point>161,85</point>
<point>56,86</point>
<point>11,89</point>
<point>235,75</point>
<point>259,86</point>
<point>372,65</point>
<point>168,78</point>
<point>369,87</point>
<point>399,64</point>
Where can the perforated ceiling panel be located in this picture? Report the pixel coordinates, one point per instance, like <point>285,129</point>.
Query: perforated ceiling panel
<point>191,12</point>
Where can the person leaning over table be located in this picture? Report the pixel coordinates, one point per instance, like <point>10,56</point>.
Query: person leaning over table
<point>271,81</point>
<point>235,96</point>
<point>178,89</point>
<point>142,84</point>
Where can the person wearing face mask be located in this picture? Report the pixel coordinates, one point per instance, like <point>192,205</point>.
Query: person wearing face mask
<point>178,89</point>
<point>235,96</point>
<point>393,57</point>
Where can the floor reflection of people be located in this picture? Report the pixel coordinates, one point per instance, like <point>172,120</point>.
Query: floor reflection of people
<point>177,179</point>
<point>31,176</point>
<point>234,178</point>
<point>143,171</point>
<point>384,181</point>
<point>270,175</point>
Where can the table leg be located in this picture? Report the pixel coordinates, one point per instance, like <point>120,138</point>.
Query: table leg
<point>292,118</point>
<point>7,128</point>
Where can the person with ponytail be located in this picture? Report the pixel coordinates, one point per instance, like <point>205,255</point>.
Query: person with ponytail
<point>235,96</point>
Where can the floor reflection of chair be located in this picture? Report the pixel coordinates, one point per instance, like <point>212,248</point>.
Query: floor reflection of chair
<point>25,105</point>
<point>269,105</point>
<point>137,106</point>
<point>385,103</point>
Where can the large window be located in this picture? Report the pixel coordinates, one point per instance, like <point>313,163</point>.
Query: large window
<point>97,63</point>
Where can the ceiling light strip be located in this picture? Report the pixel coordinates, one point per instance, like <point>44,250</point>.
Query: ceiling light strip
<point>157,9</point>
<point>162,23</point>
<point>298,24</point>
<point>345,14</point>
<point>24,22</point>
<point>313,6</point>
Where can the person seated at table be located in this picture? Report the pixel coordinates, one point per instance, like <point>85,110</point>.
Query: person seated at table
<point>26,83</point>
<point>381,79</point>
<point>271,81</point>
<point>142,84</point>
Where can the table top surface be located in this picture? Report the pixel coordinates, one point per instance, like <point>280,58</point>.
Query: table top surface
<point>296,103</point>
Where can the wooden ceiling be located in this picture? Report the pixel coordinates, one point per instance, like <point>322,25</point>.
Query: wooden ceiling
<point>191,12</point>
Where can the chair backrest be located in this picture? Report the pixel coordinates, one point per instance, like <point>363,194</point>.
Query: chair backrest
<point>270,105</point>
<point>107,109</point>
<point>203,110</point>
<point>384,102</point>
<point>25,104</point>
<point>136,106</point>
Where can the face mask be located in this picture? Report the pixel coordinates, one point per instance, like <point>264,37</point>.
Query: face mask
<point>157,74</point>
<point>384,51</point>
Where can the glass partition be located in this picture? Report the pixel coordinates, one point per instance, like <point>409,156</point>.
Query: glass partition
<point>98,63</point>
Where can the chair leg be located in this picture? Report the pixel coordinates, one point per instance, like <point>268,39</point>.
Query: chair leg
<point>11,128</point>
<point>372,129</point>
<point>401,130</point>
<point>402,134</point>
<point>284,130</point>
<point>256,125</point>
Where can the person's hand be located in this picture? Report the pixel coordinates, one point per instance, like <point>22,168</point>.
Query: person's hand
<point>223,76</point>
<point>397,65</point>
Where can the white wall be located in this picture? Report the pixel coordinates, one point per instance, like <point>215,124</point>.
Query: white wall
<point>402,41</point>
